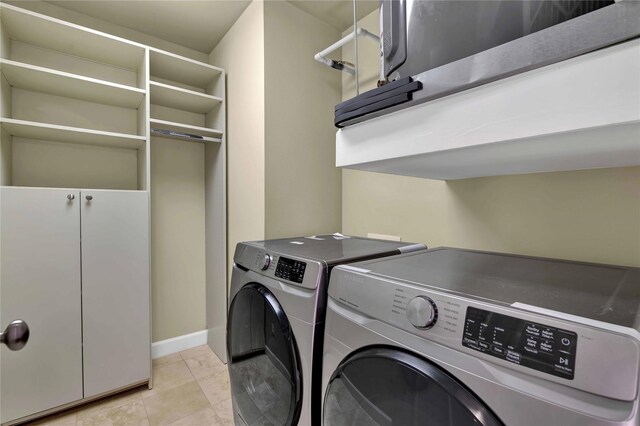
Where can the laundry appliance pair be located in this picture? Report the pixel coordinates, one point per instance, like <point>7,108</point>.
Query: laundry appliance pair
<point>429,337</point>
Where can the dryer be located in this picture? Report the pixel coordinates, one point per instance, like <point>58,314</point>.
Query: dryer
<point>276,322</point>
<point>459,337</point>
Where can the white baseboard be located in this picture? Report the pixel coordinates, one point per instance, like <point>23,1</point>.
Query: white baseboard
<point>177,344</point>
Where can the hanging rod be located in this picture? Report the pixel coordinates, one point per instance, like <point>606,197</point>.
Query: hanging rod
<point>339,65</point>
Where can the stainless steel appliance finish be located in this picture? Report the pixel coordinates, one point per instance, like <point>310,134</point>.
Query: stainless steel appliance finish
<point>452,46</point>
<point>276,322</point>
<point>536,341</point>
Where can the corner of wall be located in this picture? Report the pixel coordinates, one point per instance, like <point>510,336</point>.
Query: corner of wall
<point>303,192</point>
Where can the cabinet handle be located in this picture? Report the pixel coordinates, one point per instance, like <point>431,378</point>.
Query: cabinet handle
<point>16,335</point>
<point>71,197</point>
<point>89,197</point>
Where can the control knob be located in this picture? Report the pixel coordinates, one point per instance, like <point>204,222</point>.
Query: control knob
<point>422,312</point>
<point>265,261</point>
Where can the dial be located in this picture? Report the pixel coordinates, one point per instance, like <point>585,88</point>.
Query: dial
<point>422,312</point>
<point>265,261</point>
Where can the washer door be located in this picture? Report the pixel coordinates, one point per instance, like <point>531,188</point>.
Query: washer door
<point>264,366</point>
<point>383,386</point>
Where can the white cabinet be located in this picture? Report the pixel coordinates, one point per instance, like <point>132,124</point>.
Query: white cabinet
<point>76,111</point>
<point>75,268</point>
<point>115,289</point>
<point>40,284</point>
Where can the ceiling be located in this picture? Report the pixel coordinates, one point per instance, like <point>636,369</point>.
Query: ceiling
<point>200,25</point>
<point>337,13</point>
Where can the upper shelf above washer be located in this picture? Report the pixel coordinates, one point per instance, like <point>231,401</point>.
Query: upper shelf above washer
<point>581,113</point>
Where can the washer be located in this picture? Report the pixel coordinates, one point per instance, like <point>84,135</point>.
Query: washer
<point>276,323</point>
<point>458,337</point>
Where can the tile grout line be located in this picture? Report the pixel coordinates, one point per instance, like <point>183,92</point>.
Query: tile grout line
<point>145,406</point>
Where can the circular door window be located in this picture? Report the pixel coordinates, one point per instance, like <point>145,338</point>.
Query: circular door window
<point>384,387</point>
<point>264,367</point>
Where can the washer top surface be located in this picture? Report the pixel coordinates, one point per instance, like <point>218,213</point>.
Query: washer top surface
<point>334,249</point>
<point>600,292</point>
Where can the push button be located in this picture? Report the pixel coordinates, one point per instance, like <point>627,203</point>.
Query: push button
<point>546,347</point>
<point>498,350</point>
<point>532,330</point>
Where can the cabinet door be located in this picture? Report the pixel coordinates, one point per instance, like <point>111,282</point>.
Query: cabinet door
<point>115,289</point>
<point>40,284</point>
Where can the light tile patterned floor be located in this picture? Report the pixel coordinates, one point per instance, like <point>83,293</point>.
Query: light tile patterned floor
<point>190,388</point>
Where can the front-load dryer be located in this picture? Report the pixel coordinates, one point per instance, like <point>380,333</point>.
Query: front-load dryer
<point>455,337</point>
<point>276,323</point>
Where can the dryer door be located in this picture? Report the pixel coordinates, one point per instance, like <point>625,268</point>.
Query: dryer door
<point>264,365</point>
<point>383,386</point>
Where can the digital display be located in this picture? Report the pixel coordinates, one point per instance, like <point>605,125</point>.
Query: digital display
<point>290,270</point>
<point>543,348</point>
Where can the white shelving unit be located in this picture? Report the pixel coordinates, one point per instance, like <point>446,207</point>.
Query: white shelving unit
<point>169,66</point>
<point>52,132</point>
<point>60,36</point>
<point>184,99</point>
<point>187,96</point>
<point>84,102</point>
<point>45,80</point>
<point>185,128</point>
<point>66,84</point>
<point>581,113</point>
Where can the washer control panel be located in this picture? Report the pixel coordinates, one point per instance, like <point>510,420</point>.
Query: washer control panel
<point>290,269</point>
<point>543,348</point>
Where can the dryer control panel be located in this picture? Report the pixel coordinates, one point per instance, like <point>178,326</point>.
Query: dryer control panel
<point>290,269</point>
<point>543,348</point>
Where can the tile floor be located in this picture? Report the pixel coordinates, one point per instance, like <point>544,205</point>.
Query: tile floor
<point>191,388</point>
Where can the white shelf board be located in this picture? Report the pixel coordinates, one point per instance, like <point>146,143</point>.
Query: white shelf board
<point>577,114</point>
<point>44,31</point>
<point>179,98</point>
<point>180,69</point>
<point>39,79</point>
<point>54,132</point>
<point>185,128</point>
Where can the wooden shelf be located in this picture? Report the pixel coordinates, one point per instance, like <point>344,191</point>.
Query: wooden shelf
<point>39,79</point>
<point>40,30</point>
<point>581,113</point>
<point>180,69</point>
<point>177,97</point>
<point>185,128</point>
<point>54,132</point>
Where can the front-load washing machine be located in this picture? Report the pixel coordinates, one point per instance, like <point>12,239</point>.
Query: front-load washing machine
<point>276,323</point>
<point>455,337</point>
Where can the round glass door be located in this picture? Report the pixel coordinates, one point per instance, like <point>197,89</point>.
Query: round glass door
<point>264,368</point>
<point>383,387</point>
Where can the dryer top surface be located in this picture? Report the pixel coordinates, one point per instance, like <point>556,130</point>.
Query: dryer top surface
<point>333,249</point>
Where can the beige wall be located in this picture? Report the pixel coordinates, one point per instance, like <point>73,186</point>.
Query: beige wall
<point>177,203</point>
<point>303,187</point>
<point>177,231</point>
<point>241,53</point>
<point>280,159</point>
<point>588,215</point>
